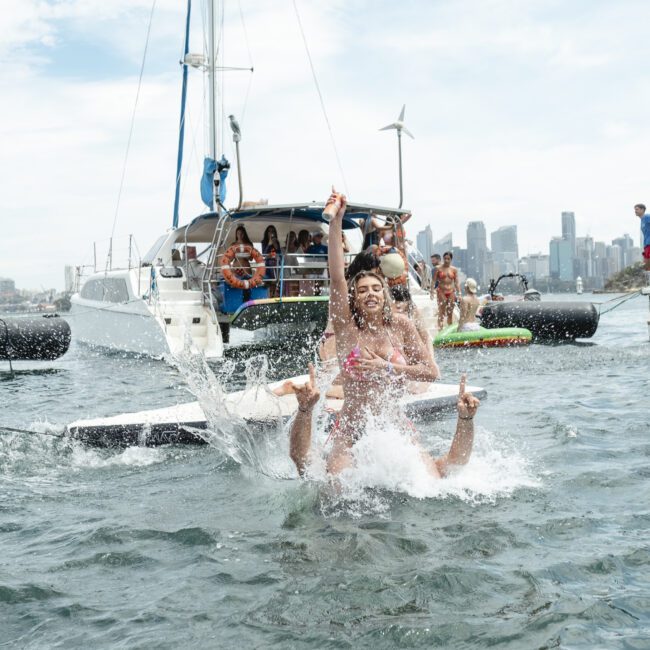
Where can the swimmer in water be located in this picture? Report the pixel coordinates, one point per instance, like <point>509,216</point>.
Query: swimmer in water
<point>458,454</point>
<point>378,351</point>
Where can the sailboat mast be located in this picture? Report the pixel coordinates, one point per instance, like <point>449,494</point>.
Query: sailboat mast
<point>212,83</point>
<point>181,128</point>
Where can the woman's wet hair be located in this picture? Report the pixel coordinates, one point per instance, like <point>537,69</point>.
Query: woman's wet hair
<point>357,316</point>
<point>451,255</point>
<point>364,261</point>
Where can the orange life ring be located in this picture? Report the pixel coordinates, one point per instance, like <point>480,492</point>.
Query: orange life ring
<point>380,251</point>
<point>258,264</point>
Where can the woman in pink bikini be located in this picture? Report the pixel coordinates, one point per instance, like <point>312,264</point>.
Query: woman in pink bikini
<point>377,350</point>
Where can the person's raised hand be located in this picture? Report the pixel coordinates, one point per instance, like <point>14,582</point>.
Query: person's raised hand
<point>467,404</point>
<point>308,394</point>
<point>335,206</point>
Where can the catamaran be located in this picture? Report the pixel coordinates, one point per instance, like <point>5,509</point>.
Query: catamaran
<point>201,279</point>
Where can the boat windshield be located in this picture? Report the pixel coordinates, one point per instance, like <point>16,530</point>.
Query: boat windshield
<point>149,258</point>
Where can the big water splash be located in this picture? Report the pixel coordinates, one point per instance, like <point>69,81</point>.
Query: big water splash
<point>387,458</point>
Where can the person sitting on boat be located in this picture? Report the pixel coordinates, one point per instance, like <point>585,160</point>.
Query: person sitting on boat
<point>272,257</point>
<point>469,305</point>
<point>300,433</point>
<point>317,247</point>
<point>447,287</point>
<point>377,350</point>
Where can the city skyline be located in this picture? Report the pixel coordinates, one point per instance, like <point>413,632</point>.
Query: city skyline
<point>568,255</point>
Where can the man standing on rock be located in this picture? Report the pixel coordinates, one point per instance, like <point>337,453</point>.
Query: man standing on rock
<point>639,210</point>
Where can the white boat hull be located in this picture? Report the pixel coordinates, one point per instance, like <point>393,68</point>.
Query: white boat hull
<point>155,327</point>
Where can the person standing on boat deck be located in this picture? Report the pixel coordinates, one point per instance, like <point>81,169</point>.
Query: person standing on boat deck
<point>469,304</point>
<point>377,351</point>
<point>272,258</point>
<point>292,242</point>
<point>447,287</point>
<point>459,452</point>
<point>639,210</point>
<point>435,263</point>
<point>304,241</point>
<point>242,265</point>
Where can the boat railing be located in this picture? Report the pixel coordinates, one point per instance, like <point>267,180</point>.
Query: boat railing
<point>287,275</point>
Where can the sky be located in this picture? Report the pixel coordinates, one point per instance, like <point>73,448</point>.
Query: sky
<point>520,110</point>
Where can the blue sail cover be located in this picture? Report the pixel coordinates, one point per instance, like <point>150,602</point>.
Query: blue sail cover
<point>209,167</point>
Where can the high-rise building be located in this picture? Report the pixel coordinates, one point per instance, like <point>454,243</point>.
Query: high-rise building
<point>424,243</point>
<point>476,251</point>
<point>625,244</point>
<point>561,259</point>
<point>460,258</point>
<point>584,257</point>
<point>614,258</point>
<point>443,244</point>
<point>504,240</point>
<point>505,250</point>
<point>534,266</point>
<point>569,229</point>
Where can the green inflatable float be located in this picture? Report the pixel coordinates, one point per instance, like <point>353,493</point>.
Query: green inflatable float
<point>501,337</point>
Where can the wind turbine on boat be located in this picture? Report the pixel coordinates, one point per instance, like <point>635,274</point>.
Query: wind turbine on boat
<point>398,125</point>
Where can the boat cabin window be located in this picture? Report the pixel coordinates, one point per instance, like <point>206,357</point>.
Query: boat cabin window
<point>106,290</point>
<point>150,257</point>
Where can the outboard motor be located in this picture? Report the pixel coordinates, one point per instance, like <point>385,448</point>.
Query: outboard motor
<point>548,321</point>
<point>33,339</point>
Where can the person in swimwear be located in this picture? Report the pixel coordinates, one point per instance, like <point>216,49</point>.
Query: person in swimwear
<point>458,454</point>
<point>469,304</point>
<point>403,304</point>
<point>242,264</point>
<point>447,287</point>
<point>377,350</point>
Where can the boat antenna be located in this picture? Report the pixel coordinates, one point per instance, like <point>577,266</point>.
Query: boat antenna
<point>236,138</point>
<point>398,125</point>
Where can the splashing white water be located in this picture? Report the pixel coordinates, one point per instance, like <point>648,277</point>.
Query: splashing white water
<point>387,459</point>
<point>264,446</point>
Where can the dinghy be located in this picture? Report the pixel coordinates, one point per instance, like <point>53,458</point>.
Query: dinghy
<point>258,407</point>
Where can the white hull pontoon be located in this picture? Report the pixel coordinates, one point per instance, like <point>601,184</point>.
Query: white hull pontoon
<point>175,424</point>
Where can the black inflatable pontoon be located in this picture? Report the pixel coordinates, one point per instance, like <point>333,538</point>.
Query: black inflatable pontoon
<point>547,321</point>
<point>33,338</point>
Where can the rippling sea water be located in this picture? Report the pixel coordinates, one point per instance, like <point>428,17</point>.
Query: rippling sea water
<point>541,541</point>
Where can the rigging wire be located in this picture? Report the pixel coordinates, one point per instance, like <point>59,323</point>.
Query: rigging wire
<point>250,62</point>
<point>4,429</point>
<point>135,106</point>
<point>621,301</point>
<point>320,96</point>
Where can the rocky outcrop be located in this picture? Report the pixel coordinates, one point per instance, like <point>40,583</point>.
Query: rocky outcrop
<point>629,279</point>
